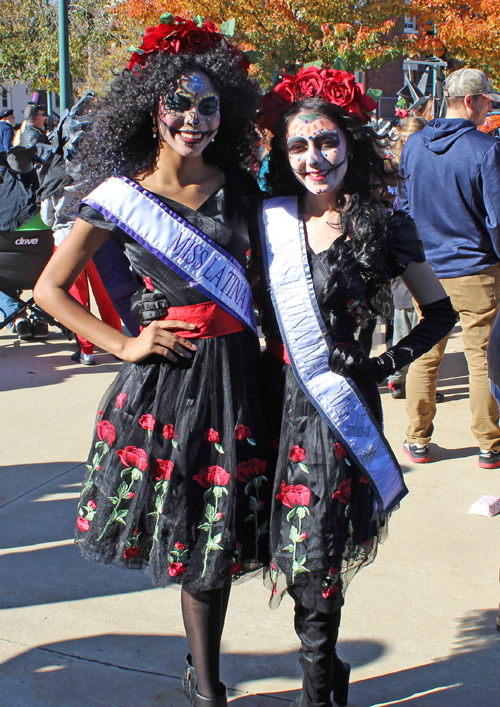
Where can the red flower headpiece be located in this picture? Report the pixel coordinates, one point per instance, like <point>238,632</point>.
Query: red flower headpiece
<point>176,35</point>
<point>333,85</point>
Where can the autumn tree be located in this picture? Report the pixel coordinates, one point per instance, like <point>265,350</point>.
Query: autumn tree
<point>290,33</point>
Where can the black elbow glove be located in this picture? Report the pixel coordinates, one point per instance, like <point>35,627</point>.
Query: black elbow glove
<point>147,306</point>
<point>438,319</point>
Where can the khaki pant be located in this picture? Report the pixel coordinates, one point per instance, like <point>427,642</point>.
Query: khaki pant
<point>476,298</point>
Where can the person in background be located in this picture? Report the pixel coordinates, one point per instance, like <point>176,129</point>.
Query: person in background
<point>7,123</point>
<point>34,130</point>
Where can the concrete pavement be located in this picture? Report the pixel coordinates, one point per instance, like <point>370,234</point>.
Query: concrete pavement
<point>418,627</point>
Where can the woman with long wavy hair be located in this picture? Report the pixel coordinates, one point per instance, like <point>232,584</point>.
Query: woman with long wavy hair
<point>328,246</point>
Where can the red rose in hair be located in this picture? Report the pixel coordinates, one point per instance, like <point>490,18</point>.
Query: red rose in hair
<point>211,436</point>
<point>287,88</point>
<point>272,107</point>
<point>82,524</point>
<point>368,105</point>
<point>131,552</point>
<point>132,456</point>
<point>329,591</point>
<point>339,450</point>
<point>212,476</point>
<point>292,496</point>
<point>120,400</point>
<point>309,82</point>
<point>246,471</point>
<point>297,454</point>
<point>168,431</point>
<point>339,87</point>
<point>106,432</point>
<point>176,569</point>
<point>163,470</point>
<point>242,432</point>
<point>343,494</point>
<point>147,422</point>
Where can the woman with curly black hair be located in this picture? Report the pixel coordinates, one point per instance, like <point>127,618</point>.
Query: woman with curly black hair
<point>328,246</point>
<point>176,473</point>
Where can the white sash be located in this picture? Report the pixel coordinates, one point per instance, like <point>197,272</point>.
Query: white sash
<point>308,347</point>
<point>177,243</point>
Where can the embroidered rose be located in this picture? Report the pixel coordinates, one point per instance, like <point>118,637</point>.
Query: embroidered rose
<point>242,432</point>
<point>329,591</point>
<point>131,552</point>
<point>297,454</point>
<point>168,432</point>
<point>131,494</point>
<point>343,494</point>
<point>106,432</point>
<point>120,400</point>
<point>292,496</point>
<point>100,412</point>
<point>163,470</point>
<point>211,436</point>
<point>176,569</point>
<point>82,524</point>
<point>147,422</point>
<point>148,284</point>
<point>340,451</point>
<point>236,568</point>
<point>212,476</point>
<point>91,504</point>
<point>133,457</point>
<point>180,546</point>
<point>363,479</point>
<point>246,471</point>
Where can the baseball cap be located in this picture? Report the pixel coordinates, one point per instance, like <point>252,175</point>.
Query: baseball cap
<point>469,82</point>
<point>6,113</point>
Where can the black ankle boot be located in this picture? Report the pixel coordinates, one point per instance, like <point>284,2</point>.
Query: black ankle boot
<point>341,673</point>
<point>190,688</point>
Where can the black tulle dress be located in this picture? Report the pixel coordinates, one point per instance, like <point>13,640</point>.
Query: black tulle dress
<point>177,470</point>
<point>322,525</point>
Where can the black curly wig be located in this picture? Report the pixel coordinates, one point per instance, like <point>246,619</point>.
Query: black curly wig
<point>120,139</point>
<point>365,222</point>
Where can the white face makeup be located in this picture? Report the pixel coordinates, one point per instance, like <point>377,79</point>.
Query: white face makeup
<point>189,117</point>
<point>317,151</point>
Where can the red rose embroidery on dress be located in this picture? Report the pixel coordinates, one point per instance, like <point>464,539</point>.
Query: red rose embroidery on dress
<point>82,524</point>
<point>180,546</point>
<point>106,432</point>
<point>297,454</point>
<point>236,568</point>
<point>91,504</point>
<point>120,400</point>
<point>163,470</point>
<point>340,451</point>
<point>343,494</point>
<point>212,476</point>
<point>133,457</point>
<point>147,422</point>
<point>329,591</point>
<point>176,569</point>
<point>148,284</point>
<point>292,496</point>
<point>168,431</point>
<point>246,471</point>
<point>242,432</point>
<point>211,436</point>
<point>131,552</point>
<point>363,479</point>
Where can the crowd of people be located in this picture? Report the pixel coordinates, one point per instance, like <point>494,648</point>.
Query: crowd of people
<point>210,459</point>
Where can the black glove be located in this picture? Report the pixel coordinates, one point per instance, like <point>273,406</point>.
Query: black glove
<point>147,306</point>
<point>438,319</point>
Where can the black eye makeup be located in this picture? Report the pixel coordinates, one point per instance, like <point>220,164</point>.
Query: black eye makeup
<point>180,103</point>
<point>209,106</point>
<point>325,140</point>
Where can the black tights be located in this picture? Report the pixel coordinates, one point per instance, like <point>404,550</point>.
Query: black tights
<point>204,614</point>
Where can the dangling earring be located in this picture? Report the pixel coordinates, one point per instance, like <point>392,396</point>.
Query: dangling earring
<point>155,131</point>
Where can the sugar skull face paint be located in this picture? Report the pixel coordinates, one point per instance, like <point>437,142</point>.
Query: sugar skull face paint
<point>317,152</point>
<point>189,116</point>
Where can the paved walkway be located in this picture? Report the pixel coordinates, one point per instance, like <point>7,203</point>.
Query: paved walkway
<point>418,627</point>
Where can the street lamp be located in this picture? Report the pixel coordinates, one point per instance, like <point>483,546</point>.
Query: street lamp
<point>64,73</point>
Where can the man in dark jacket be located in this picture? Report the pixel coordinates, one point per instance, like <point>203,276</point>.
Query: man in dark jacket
<point>451,188</point>
<point>7,122</point>
<point>33,133</point>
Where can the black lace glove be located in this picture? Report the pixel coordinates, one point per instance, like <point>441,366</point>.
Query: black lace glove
<point>438,319</point>
<point>147,306</point>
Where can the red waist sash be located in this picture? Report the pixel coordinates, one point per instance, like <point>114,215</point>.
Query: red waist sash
<point>209,318</point>
<point>277,348</point>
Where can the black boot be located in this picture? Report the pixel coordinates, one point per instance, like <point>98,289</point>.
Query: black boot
<point>189,686</point>
<point>323,669</point>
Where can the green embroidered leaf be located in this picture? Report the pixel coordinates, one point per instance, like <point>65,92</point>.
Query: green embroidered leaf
<point>95,459</point>
<point>288,548</point>
<point>154,514</point>
<point>105,448</point>
<point>158,503</point>
<point>122,489</point>
<point>207,494</point>
<point>167,18</point>
<point>80,512</point>
<point>254,56</point>
<point>120,520</point>
<point>302,569</point>
<point>158,485</point>
<point>301,512</point>
<point>350,529</point>
<point>295,566</point>
<point>99,444</point>
<point>302,560</point>
<point>126,471</point>
<point>175,444</point>
<point>250,519</point>
<point>218,491</point>
<point>205,526</point>
<point>210,512</point>
<point>228,28</point>
<point>293,534</point>
<point>263,526</point>
<point>171,557</point>
<point>375,94</point>
<point>219,448</point>
<point>347,509</point>
<point>198,20</point>
<point>303,467</point>
<point>340,64</point>
<point>114,499</point>
<point>90,515</point>
<point>136,474</point>
<point>218,538</point>
<point>223,489</point>
<point>347,462</point>
<point>89,468</point>
<point>253,503</point>
<point>251,441</point>
<point>291,514</point>
<point>249,487</point>
<point>318,64</point>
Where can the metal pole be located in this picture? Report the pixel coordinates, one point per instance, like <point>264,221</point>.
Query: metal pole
<point>64,73</point>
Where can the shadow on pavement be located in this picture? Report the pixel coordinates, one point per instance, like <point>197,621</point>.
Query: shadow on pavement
<point>441,453</point>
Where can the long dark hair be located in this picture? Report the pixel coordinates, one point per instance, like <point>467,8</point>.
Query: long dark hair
<point>120,139</point>
<point>365,222</point>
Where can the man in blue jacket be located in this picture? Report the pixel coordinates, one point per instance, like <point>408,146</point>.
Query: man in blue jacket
<point>7,122</point>
<point>451,188</point>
